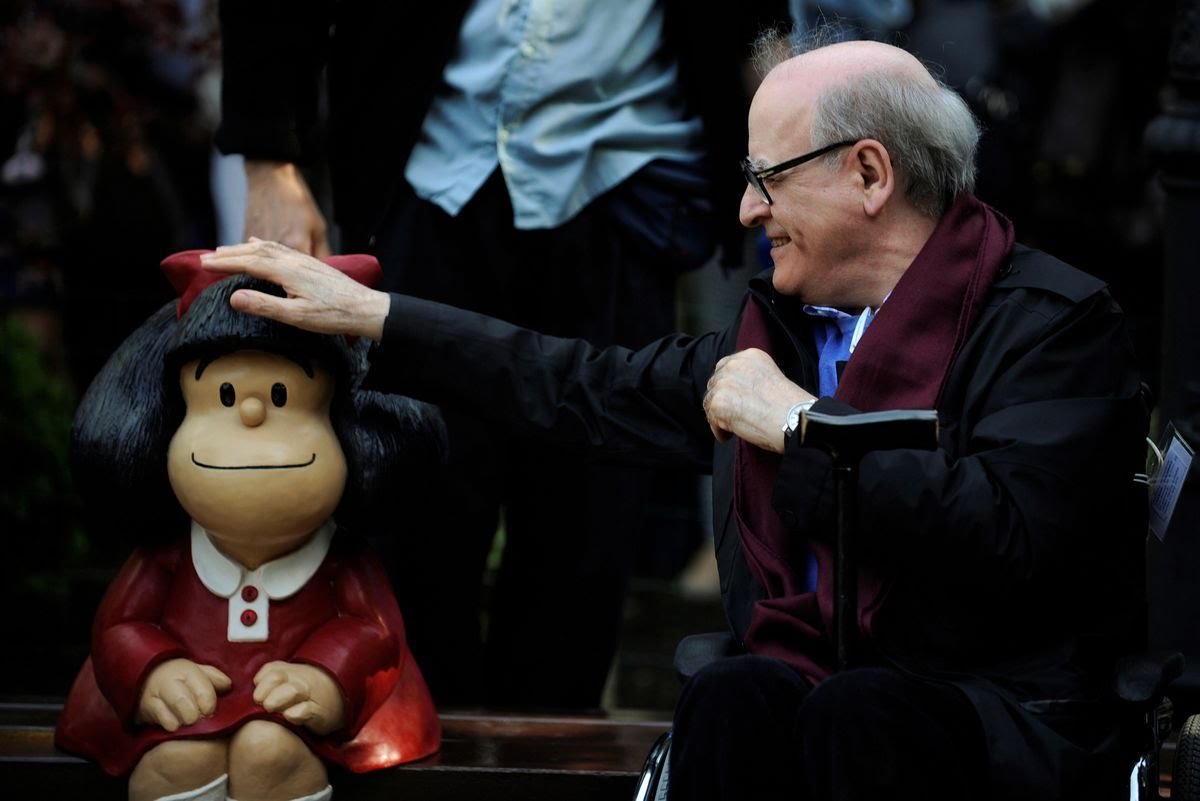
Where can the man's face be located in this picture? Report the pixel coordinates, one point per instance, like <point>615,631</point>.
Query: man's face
<point>808,222</point>
<point>256,459</point>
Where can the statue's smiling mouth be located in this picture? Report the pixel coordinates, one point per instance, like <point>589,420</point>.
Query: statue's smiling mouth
<point>252,466</point>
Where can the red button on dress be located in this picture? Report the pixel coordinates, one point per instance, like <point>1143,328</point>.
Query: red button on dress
<point>249,594</point>
<point>249,617</point>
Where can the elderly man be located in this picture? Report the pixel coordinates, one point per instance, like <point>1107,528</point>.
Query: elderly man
<point>995,568</point>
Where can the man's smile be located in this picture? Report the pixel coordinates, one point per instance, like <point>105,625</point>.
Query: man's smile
<point>252,466</point>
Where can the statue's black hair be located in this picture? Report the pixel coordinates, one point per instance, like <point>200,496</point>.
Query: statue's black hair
<point>133,407</point>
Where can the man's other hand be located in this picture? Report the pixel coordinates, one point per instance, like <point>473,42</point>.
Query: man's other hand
<point>749,397</point>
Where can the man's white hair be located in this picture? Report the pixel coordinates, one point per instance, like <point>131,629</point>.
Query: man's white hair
<point>928,130</point>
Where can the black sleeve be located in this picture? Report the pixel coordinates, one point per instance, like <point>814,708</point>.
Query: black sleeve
<point>641,407</point>
<point>272,56</point>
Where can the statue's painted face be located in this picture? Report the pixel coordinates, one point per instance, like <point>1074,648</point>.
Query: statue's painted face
<point>256,461</point>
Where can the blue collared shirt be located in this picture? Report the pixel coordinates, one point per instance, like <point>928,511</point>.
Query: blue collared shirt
<point>836,334</point>
<point>567,97</point>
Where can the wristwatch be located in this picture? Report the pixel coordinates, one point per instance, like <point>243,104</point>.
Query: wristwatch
<point>793,417</point>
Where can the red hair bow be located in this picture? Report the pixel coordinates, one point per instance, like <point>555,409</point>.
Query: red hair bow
<point>189,279</point>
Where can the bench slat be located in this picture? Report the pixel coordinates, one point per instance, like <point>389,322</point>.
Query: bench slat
<point>498,757</point>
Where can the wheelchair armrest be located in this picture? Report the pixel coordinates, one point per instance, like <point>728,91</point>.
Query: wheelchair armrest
<point>1143,678</point>
<point>698,650</point>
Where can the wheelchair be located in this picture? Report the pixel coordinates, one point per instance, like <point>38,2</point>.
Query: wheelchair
<point>1140,681</point>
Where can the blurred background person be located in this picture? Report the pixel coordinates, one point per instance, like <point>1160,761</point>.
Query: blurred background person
<point>505,156</point>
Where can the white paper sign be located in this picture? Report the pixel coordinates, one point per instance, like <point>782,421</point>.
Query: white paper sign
<point>1166,485</point>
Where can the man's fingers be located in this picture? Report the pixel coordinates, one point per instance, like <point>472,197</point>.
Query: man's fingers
<point>298,312</point>
<point>319,297</point>
<point>257,257</point>
<point>260,303</point>
<point>713,409</point>
<point>719,434</point>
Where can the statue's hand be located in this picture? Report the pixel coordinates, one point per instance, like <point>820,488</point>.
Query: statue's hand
<point>305,695</point>
<point>179,692</point>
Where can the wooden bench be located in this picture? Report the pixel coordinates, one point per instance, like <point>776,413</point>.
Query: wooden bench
<point>497,757</point>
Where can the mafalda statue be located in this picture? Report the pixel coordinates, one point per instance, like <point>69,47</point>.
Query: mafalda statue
<point>261,640</point>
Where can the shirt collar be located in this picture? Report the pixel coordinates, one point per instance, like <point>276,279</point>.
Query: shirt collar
<point>842,320</point>
<point>279,578</point>
<point>826,311</point>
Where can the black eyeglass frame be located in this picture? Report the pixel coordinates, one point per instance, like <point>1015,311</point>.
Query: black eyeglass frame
<point>755,177</point>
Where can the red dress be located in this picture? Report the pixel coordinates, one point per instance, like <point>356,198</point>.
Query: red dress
<point>343,619</point>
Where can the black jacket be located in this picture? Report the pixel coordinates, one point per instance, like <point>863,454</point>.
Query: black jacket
<point>384,61</point>
<point>1016,543</point>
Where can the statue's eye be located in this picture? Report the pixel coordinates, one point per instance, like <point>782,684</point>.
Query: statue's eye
<point>278,394</point>
<point>228,396</point>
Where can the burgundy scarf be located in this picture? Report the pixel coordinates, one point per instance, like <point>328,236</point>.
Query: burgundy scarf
<point>901,362</point>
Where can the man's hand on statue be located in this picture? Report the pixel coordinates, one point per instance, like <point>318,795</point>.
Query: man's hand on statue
<point>305,695</point>
<point>749,397</point>
<point>319,298</point>
<point>280,207</point>
<point>179,692</point>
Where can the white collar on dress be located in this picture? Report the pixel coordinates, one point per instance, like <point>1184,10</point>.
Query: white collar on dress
<point>279,578</point>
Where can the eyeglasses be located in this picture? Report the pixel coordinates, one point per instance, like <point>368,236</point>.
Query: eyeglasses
<point>755,177</point>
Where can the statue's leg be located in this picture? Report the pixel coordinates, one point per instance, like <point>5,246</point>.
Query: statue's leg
<point>181,770</point>
<point>267,762</point>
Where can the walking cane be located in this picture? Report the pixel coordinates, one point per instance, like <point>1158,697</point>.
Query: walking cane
<point>846,438</point>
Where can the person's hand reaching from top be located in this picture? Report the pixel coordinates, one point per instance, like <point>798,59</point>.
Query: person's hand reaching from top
<point>280,207</point>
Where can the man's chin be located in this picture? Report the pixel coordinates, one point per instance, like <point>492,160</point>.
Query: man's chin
<point>785,280</point>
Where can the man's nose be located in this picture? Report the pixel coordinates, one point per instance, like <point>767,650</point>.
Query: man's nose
<point>753,209</point>
<point>252,411</point>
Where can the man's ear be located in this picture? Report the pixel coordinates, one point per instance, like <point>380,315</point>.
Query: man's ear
<point>873,166</point>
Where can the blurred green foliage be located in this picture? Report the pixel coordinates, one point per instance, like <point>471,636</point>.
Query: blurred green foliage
<point>39,511</point>
<point>41,523</point>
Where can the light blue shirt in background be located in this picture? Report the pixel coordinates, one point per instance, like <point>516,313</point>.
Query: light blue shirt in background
<point>567,97</point>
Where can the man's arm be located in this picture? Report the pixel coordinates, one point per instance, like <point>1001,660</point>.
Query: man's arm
<point>272,56</point>
<point>638,407</point>
<point>280,207</point>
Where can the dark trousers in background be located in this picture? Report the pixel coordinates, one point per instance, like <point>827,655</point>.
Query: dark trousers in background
<point>554,615</point>
<point>751,727</point>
